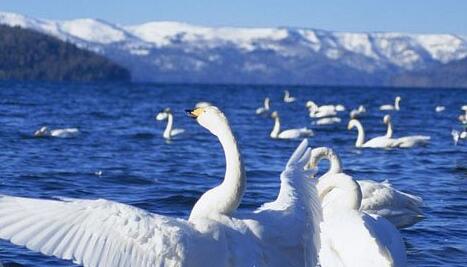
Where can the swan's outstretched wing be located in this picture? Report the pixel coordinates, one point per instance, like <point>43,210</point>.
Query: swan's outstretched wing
<point>292,220</point>
<point>94,232</point>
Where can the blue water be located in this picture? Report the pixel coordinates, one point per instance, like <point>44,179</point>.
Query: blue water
<point>120,137</point>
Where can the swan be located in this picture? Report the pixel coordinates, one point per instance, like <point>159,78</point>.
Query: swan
<point>169,131</point>
<point>328,121</point>
<point>391,107</point>
<point>377,142</point>
<point>456,135</point>
<point>355,113</point>
<point>322,113</point>
<point>265,108</point>
<point>61,133</point>
<point>312,106</point>
<point>401,209</point>
<point>350,237</point>
<point>276,132</point>
<point>203,104</point>
<point>440,108</point>
<point>107,233</point>
<point>288,98</point>
<point>406,141</point>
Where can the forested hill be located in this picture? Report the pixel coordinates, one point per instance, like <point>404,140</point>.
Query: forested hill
<point>29,55</point>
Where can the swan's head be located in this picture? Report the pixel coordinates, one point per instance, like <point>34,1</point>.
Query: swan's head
<point>387,118</point>
<point>163,114</point>
<point>352,123</point>
<point>274,115</point>
<point>210,118</point>
<point>311,105</point>
<point>42,131</point>
<point>398,99</point>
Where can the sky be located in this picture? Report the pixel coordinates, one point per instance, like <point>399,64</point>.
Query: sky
<point>415,16</point>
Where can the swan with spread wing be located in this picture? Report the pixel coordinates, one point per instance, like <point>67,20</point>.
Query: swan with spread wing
<point>400,208</point>
<point>107,233</point>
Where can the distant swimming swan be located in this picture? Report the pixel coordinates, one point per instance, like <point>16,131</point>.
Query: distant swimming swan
<point>169,131</point>
<point>107,233</point>
<point>392,107</point>
<point>276,132</point>
<point>265,108</point>
<point>406,141</point>
<point>61,133</point>
<point>288,98</point>
<point>377,142</point>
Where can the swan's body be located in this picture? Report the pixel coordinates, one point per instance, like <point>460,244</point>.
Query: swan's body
<point>401,209</point>
<point>316,111</point>
<point>350,237</point>
<point>265,108</point>
<point>440,108</point>
<point>377,142</point>
<point>203,104</point>
<point>392,107</point>
<point>107,233</point>
<point>355,113</point>
<point>169,131</point>
<point>61,133</point>
<point>328,121</point>
<point>288,98</point>
<point>456,135</point>
<point>406,141</point>
<point>276,132</point>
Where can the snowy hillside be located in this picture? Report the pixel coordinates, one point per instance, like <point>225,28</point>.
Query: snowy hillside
<point>179,52</point>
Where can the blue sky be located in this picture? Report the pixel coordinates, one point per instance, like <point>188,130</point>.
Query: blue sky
<point>437,16</point>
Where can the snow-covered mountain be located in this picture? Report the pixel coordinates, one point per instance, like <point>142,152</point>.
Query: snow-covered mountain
<point>179,52</point>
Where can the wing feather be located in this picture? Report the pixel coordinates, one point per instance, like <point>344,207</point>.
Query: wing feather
<point>93,232</point>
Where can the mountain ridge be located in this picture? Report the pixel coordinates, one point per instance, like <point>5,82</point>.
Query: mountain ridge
<point>170,51</point>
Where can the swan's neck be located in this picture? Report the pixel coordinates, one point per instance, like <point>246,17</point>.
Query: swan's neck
<point>396,104</point>
<point>339,191</point>
<point>361,135</point>
<point>276,129</point>
<point>320,153</point>
<point>389,130</point>
<point>168,128</point>
<point>287,95</point>
<point>225,198</point>
<point>266,103</point>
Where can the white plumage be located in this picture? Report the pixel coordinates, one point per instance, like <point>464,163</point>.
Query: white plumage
<point>276,132</point>
<point>169,131</point>
<point>377,142</point>
<point>61,133</point>
<point>107,233</point>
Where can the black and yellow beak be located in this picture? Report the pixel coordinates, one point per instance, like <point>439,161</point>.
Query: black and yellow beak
<point>194,113</point>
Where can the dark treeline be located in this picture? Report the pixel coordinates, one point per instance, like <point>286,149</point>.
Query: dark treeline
<point>29,55</point>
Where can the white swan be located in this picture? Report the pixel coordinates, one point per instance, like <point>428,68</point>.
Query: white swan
<point>377,142</point>
<point>401,209</point>
<point>61,133</point>
<point>406,141</point>
<point>456,135</point>
<point>276,132</point>
<point>107,233</point>
<point>322,113</point>
<point>350,237</point>
<point>169,131</point>
<point>288,98</point>
<point>265,108</point>
<point>328,121</point>
<point>391,107</point>
<point>440,108</point>
<point>314,108</point>
<point>355,113</point>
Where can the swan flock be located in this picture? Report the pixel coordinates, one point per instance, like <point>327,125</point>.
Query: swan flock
<point>330,220</point>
